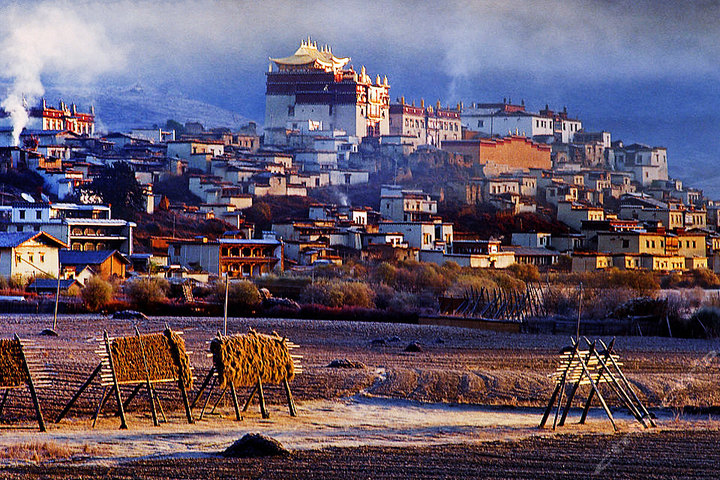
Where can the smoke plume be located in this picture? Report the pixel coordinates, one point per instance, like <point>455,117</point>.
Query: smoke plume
<point>48,39</point>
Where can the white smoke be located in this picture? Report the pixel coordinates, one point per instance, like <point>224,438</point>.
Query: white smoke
<point>48,39</point>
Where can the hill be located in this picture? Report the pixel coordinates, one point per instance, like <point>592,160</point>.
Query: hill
<point>121,108</point>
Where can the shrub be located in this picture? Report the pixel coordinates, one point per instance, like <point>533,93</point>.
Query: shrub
<point>243,296</point>
<point>18,282</point>
<point>450,270</point>
<point>357,294</point>
<point>147,291</point>
<point>638,280</point>
<point>508,282</point>
<point>673,280</point>
<point>467,284</point>
<point>335,293</point>
<point>705,278</point>
<point>96,293</point>
<point>525,272</point>
<point>386,273</point>
<point>73,291</point>
<point>383,296</point>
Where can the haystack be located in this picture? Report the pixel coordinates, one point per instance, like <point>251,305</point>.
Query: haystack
<point>165,355</point>
<point>253,445</point>
<point>244,359</point>
<point>12,373</point>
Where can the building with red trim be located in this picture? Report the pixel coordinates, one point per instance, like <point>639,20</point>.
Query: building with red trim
<point>315,90</point>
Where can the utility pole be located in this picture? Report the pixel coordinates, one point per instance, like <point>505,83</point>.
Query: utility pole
<point>227,290</point>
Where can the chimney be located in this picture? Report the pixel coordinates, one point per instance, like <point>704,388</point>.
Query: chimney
<point>422,103</point>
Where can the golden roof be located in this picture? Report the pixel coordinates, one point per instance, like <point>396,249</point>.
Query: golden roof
<point>308,53</point>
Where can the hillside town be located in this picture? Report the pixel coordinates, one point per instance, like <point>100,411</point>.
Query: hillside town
<point>331,131</point>
<point>466,240</point>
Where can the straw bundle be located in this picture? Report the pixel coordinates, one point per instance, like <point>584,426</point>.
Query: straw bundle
<point>244,359</point>
<point>165,355</point>
<point>180,357</point>
<point>12,373</point>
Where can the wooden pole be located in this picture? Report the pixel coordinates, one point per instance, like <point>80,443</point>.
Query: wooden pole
<point>4,399</point>
<point>80,391</point>
<point>131,397</point>
<point>250,397</point>
<point>57,299</point>
<point>118,397</point>
<point>31,387</point>
<point>617,388</point>
<point>577,336</point>
<point>597,392</point>
<point>629,387</point>
<point>233,393</point>
<point>227,292</point>
<point>207,399</point>
<point>573,390</point>
<point>204,385</point>
<point>183,391</point>
<point>186,404</point>
<point>560,399</point>
<point>291,402</point>
<point>263,409</point>
<point>159,404</point>
<point>101,404</point>
<point>550,405</point>
<point>219,399</point>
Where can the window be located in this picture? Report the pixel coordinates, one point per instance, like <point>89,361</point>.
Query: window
<point>22,214</point>
<point>481,123</point>
<point>38,215</point>
<point>626,244</point>
<point>30,258</point>
<point>291,110</point>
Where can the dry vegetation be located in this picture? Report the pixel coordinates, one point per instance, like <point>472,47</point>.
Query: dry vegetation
<point>242,360</point>
<point>164,353</point>
<point>12,373</point>
<point>47,451</point>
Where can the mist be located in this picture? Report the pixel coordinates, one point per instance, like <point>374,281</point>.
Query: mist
<point>49,40</point>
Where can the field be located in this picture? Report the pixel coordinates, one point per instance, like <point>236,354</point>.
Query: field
<point>466,405</point>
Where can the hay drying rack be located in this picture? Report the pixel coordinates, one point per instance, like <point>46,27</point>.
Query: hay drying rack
<point>596,364</point>
<point>21,368</point>
<point>211,381</point>
<point>110,380</point>
<point>502,304</point>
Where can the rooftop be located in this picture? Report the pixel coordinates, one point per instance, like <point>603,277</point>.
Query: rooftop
<point>309,55</point>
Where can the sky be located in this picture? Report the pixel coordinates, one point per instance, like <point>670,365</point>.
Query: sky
<point>645,70</point>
